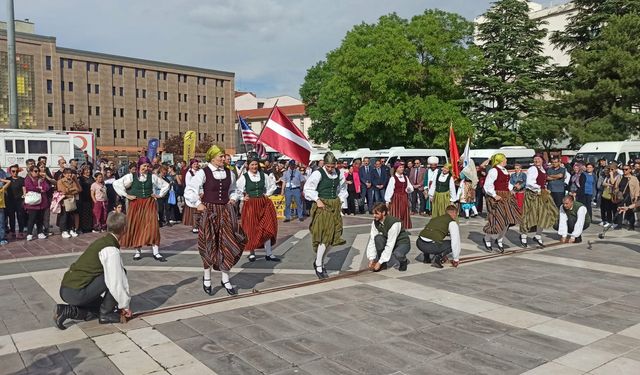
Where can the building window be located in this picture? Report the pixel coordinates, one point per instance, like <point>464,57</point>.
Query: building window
<point>97,111</point>
<point>49,86</point>
<point>179,97</point>
<point>137,113</point>
<point>222,122</point>
<point>69,63</point>
<point>204,118</point>
<point>96,88</point>
<point>115,133</point>
<point>221,101</point>
<point>144,93</point>
<point>144,134</point>
<point>140,72</point>
<point>204,99</point>
<point>137,93</point>
<point>121,91</point>
<point>70,86</point>
<point>198,99</point>
<point>114,112</point>
<point>185,98</point>
<point>138,134</point>
<point>95,69</point>
<point>222,140</point>
<point>217,119</point>
<point>88,87</point>
<point>89,110</point>
<point>98,132</point>
<point>185,117</point>
<point>62,85</point>
<point>62,107</point>
<point>199,137</point>
<point>120,70</point>
<point>49,109</point>
<point>158,95</point>
<point>50,127</point>
<point>47,62</point>
<point>166,135</point>
<point>88,66</point>
<point>71,109</point>
<point>165,95</point>
<point>179,116</point>
<point>166,116</point>
<point>121,112</point>
<point>113,90</point>
<point>121,133</point>
<point>144,115</point>
<point>198,117</point>
<point>159,115</point>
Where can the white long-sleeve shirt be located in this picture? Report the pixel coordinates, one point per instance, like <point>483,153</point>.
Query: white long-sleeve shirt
<point>392,236</point>
<point>123,183</point>
<point>532,177</point>
<point>454,234</point>
<point>577,229</point>
<point>196,183</point>
<point>114,276</point>
<point>269,183</point>
<point>310,186</point>
<point>187,178</point>
<point>489,182</point>
<point>392,183</point>
<point>443,178</point>
<point>431,177</point>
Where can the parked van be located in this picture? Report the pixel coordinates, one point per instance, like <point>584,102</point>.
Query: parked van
<point>619,151</point>
<point>350,156</point>
<point>514,154</point>
<point>410,154</point>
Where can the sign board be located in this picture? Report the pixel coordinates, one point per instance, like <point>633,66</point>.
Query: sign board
<point>167,157</point>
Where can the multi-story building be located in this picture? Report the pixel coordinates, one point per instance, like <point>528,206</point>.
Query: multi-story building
<point>125,101</point>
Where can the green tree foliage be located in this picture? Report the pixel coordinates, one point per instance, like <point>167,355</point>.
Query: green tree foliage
<point>174,144</point>
<point>504,86</point>
<point>396,82</point>
<point>603,97</point>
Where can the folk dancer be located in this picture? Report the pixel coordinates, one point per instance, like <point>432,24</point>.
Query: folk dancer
<point>574,219</point>
<point>397,197</point>
<point>388,237</point>
<point>328,190</point>
<point>467,196</point>
<point>539,209</point>
<point>191,216</point>
<point>258,213</point>
<point>431,240</point>
<point>220,238</point>
<point>503,210</point>
<point>429,177</point>
<point>518,180</point>
<point>442,191</point>
<point>143,227</point>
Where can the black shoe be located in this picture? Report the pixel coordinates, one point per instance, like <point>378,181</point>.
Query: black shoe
<point>207,289</point>
<point>62,313</point>
<point>137,256</point>
<point>403,265</point>
<point>252,257</point>
<point>487,245</point>
<point>286,220</point>
<point>426,258</point>
<point>523,242</point>
<point>500,247</point>
<point>159,258</point>
<point>231,291</point>
<point>437,262</point>
<point>107,318</point>
<point>538,241</point>
<point>578,239</point>
<point>321,274</point>
<point>271,258</point>
<point>301,219</point>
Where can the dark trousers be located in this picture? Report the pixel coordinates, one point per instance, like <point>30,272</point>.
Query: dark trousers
<point>434,248</point>
<point>90,297</point>
<point>479,199</point>
<point>367,193</point>
<point>34,219</point>
<point>67,219</point>
<point>163,210</point>
<point>571,225</point>
<point>417,201</point>
<point>352,201</point>
<point>608,210</point>
<point>557,197</point>
<point>400,250</point>
<point>378,195</point>
<point>15,213</point>
<point>586,201</point>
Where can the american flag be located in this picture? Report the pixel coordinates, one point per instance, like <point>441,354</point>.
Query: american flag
<point>251,138</point>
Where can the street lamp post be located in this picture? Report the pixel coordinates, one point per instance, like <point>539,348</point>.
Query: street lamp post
<point>11,63</point>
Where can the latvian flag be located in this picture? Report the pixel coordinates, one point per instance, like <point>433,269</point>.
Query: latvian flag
<point>251,138</point>
<point>284,136</point>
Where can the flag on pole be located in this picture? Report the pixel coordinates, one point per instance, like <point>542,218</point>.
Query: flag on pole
<point>468,166</point>
<point>283,136</point>
<point>189,141</point>
<point>454,156</point>
<point>251,138</point>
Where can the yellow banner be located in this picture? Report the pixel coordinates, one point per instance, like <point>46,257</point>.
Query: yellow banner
<point>21,86</point>
<point>279,204</point>
<point>189,145</point>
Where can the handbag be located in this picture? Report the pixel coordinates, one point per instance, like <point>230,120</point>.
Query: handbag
<point>172,197</point>
<point>69,204</point>
<point>55,202</point>
<point>618,196</point>
<point>32,198</point>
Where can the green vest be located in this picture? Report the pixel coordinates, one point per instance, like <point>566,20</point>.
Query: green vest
<point>141,189</point>
<point>254,189</point>
<point>573,212</point>
<point>437,229</point>
<point>384,226</point>
<point>327,187</point>
<point>88,266</point>
<point>442,187</point>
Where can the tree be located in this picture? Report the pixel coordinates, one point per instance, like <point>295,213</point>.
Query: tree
<point>603,97</point>
<point>79,126</point>
<point>174,145</point>
<point>204,144</point>
<point>511,74</point>
<point>396,82</point>
<point>544,127</point>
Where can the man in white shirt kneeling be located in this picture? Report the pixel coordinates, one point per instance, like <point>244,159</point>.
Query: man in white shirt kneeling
<point>573,220</point>
<point>388,237</point>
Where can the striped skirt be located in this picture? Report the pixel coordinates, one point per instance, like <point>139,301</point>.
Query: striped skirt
<point>142,224</point>
<point>326,224</point>
<point>259,222</point>
<point>399,207</point>
<point>539,211</point>
<point>221,240</point>
<point>190,216</point>
<point>502,214</point>
<point>440,203</point>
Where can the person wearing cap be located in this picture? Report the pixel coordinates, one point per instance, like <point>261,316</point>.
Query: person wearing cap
<point>191,216</point>
<point>429,177</point>
<point>328,190</point>
<point>221,240</point>
<point>503,209</point>
<point>292,181</point>
<point>442,191</point>
<point>388,237</point>
<point>397,197</point>
<point>431,240</point>
<point>539,210</point>
<point>258,213</point>
<point>143,228</point>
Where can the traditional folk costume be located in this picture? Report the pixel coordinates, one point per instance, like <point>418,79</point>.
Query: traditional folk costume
<point>573,221</point>
<point>326,223</point>
<point>467,196</point>
<point>397,197</point>
<point>388,237</point>
<point>442,192</point>
<point>190,216</point>
<point>502,213</point>
<point>431,241</point>
<point>143,228</point>
<point>220,238</point>
<point>540,211</point>
<point>429,177</point>
<point>258,219</point>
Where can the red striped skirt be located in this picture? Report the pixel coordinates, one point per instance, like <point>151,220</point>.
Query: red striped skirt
<point>142,224</point>
<point>399,208</point>
<point>503,213</point>
<point>259,222</point>
<point>221,240</point>
<point>190,216</point>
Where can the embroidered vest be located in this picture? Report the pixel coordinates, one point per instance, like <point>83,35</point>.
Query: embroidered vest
<point>255,189</point>
<point>327,187</point>
<point>141,189</point>
<point>216,191</point>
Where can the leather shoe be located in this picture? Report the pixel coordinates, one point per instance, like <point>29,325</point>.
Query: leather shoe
<point>487,245</point>
<point>106,318</point>
<point>320,274</point>
<point>538,241</point>
<point>500,247</point>
<point>207,289</point>
<point>437,262</point>
<point>159,258</point>
<point>271,258</point>
<point>231,291</point>
<point>252,257</point>
<point>403,265</point>
<point>426,258</point>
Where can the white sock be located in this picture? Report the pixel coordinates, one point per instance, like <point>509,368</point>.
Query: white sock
<point>138,251</point>
<point>267,247</point>
<point>475,210</point>
<point>207,277</point>
<point>539,237</point>
<point>225,278</point>
<point>466,212</point>
<point>322,248</point>
<point>156,250</point>
<point>499,241</point>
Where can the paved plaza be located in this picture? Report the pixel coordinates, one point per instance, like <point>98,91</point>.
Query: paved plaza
<point>568,309</point>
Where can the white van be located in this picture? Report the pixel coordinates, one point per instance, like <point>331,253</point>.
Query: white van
<point>19,145</point>
<point>350,156</point>
<point>410,154</point>
<point>619,151</point>
<point>515,154</point>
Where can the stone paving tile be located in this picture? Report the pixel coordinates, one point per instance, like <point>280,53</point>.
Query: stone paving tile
<point>538,345</point>
<point>12,364</point>
<point>48,360</point>
<point>264,360</point>
<point>364,360</point>
<point>326,367</point>
<point>291,351</point>
<point>229,340</point>
<point>331,341</point>
<point>485,363</point>
<point>76,352</point>
<point>176,330</point>
<point>230,364</point>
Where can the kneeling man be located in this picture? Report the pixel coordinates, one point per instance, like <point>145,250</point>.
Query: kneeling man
<point>431,240</point>
<point>387,237</point>
<point>574,219</point>
<point>97,271</point>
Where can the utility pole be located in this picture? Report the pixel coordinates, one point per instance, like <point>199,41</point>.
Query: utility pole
<point>11,63</point>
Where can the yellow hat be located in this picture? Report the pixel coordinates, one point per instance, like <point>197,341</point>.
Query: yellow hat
<point>448,166</point>
<point>497,159</point>
<point>214,151</point>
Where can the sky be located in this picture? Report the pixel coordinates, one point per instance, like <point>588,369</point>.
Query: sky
<point>268,44</point>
